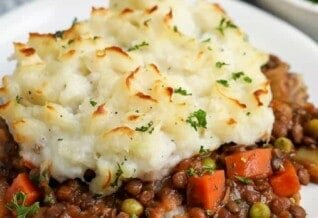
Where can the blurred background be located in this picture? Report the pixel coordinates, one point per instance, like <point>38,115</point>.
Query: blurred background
<point>303,14</point>
<point>6,5</point>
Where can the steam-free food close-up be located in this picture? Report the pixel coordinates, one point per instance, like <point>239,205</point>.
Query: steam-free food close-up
<point>153,109</point>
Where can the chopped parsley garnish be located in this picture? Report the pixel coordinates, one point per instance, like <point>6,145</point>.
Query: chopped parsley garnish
<point>244,180</point>
<point>206,40</point>
<point>71,41</point>
<point>18,99</point>
<point>138,46</point>
<point>17,205</point>
<point>207,169</point>
<point>223,82</point>
<point>93,103</point>
<point>225,24</point>
<point>199,172</point>
<point>175,29</point>
<point>191,172</point>
<point>182,91</point>
<point>74,21</point>
<point>118,174</point>
<point>220,64</point>
<point>248,113</point>
<point>247,79</point>
<point>237,75</point>
<point>58,34</point>
<point>59,139</point>
<point>197,119</point>
<point>148,128</point>
<point>203,150</point>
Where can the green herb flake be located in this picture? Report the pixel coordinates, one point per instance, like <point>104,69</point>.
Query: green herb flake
<point>18,99</point>
<point>220,64</point>
<point>238,201</point>
<point>182,91</point>
<point>191,172</point>
<point>247,79</point>
<point>17,205</point>
<point>223,82</point>
<point>244,180</point>
<point>248,113</point>
<point>175,29</point>
<point>203,150</point>
<point>118,174</point>
<point>138,46</point>
<point>207,169</point>
<point>44,176</point>
<point>225,24</point>
<point>59,139</point>
<point>58,34</point>
<point>148,128</point>
<point>93,103</point>
<point>237,75</point>
<point>70,41</point>
<point>74,21</point>
<point>197,119</point>
<point>207,40</point>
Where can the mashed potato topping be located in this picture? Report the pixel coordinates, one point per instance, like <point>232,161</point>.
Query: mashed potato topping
<point>135,89</point>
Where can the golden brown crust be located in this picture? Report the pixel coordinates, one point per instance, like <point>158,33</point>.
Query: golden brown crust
<point>152,9</point>
<point>145,97</point>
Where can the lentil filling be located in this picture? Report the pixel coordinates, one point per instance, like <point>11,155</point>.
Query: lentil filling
<point>261,180</point>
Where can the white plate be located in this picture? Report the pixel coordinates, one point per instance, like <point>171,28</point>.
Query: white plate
<point>265,31</point>
<point>301,13</point>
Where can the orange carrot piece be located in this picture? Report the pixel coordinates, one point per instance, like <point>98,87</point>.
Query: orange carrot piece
<point>253,164</point>
<point>206,191</point>
<point>285,183</point>
<point>23,184</point>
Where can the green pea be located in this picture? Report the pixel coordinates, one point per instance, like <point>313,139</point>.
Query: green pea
<point>311,128</point>
<point>209,163</point>
<point>259,210</point>
<point>132,207</point>
<point>284,144</point>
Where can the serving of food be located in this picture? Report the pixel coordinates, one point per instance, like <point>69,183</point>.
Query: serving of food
<point>153,109</point>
